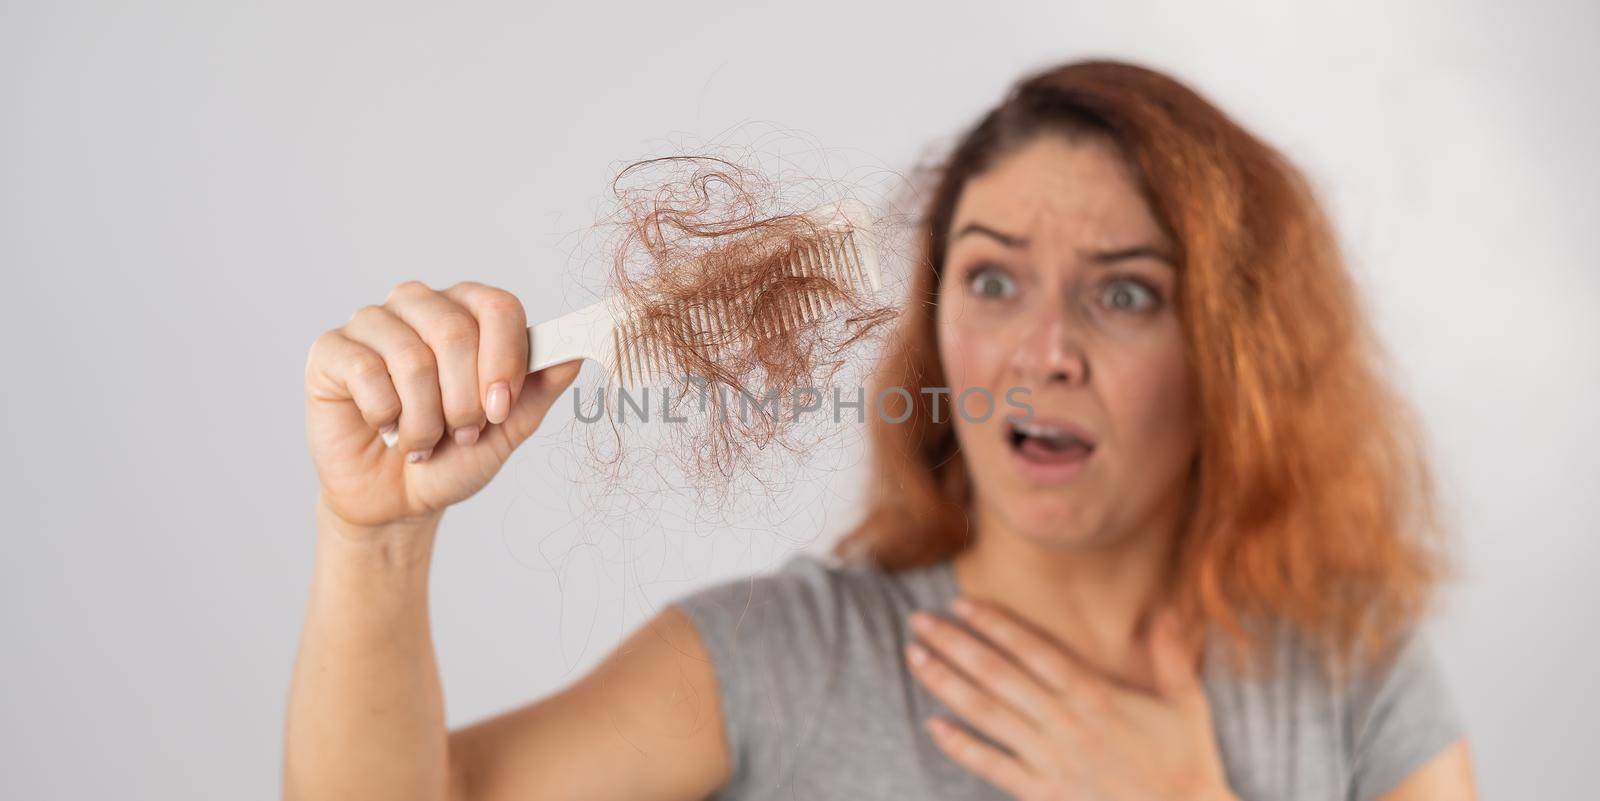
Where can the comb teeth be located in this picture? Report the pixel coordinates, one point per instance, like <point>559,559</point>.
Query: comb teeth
<point>643,349</point>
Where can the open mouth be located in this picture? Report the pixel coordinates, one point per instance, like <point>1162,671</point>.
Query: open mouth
<point>1048,443</point>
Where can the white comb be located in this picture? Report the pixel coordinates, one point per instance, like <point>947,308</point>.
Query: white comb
<point>607,332</point>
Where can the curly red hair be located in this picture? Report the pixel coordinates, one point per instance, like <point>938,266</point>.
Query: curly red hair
<point>1311,500</point>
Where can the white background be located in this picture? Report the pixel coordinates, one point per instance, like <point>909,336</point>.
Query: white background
<point>191,192</point>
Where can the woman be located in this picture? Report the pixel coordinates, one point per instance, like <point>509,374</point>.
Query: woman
<point>1193,571</point>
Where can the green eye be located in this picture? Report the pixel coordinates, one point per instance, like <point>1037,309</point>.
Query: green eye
<point>992,283</point>
<point>1127,294</point>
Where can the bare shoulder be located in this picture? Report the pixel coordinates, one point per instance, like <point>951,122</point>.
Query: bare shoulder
<point>646,723</point>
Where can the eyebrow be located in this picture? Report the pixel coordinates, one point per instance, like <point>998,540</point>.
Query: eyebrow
<point>1009,240</point>
<point>1101,257</point>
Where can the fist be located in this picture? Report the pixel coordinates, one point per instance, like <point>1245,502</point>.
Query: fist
<point>441,371</point>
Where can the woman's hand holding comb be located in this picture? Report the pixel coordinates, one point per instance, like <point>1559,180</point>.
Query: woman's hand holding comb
<point>442,374</point>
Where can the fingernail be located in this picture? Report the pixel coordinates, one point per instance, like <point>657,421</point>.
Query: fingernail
<point>417,456</point>
<point>920,621</point>
<point>962,606</point>
<point>466,435</point>
<point>390,435</point>
<point>498,404</point>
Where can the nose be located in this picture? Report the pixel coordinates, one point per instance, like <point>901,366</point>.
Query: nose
<point>1051,352</point>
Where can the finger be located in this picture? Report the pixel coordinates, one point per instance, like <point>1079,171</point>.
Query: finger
<point>343,370</point>
<point>539,391</point>
<point>502,345</point>
<point>413,371</point>
<point>976,705</point>
<point>989,668</point>
<point>986,761</point>
<point>451,332</point>
<point>1052,665</point>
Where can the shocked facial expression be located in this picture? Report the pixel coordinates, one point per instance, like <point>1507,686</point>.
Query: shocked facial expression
<point>1059,287</point>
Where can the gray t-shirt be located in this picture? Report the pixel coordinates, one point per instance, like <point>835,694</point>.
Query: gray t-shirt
<point>819,704</point>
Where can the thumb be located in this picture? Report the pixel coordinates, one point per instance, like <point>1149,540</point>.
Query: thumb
<point>539,391</point>
<point>1175,654</point>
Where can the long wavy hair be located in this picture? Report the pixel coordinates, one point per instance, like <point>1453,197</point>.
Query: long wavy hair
<point>1311,499</point>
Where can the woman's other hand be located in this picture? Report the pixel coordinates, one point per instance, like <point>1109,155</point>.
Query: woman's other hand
<point>1073,733</point>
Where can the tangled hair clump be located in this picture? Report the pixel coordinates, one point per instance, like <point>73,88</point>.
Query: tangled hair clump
<point>743,305</point>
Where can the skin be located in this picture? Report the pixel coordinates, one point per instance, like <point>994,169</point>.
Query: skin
<point>1096,694</point>
<point>1093,339</point>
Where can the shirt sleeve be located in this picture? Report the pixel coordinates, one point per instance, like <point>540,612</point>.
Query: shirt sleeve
<point>1403,715</point>
<point>771,639</point>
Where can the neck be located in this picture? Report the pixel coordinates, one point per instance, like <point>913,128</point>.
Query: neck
<point>1092,599</point>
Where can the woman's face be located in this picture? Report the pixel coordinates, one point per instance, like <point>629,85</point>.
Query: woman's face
<point>1059,287</point>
